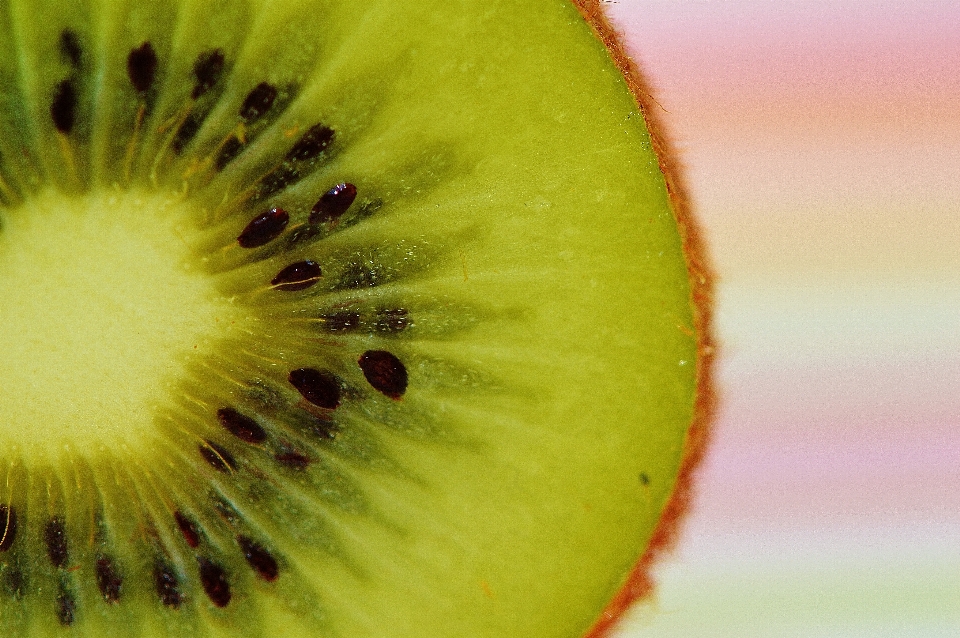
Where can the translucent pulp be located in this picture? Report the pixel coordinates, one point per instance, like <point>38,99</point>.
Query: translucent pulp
<point>99,311</point>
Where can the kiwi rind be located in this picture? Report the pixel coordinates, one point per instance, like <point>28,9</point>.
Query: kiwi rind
<point>506,321</point>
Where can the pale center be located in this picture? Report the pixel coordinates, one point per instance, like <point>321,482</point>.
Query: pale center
<point>99,312</point>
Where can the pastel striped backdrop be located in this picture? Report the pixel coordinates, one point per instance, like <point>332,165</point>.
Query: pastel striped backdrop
<point>822,146</point>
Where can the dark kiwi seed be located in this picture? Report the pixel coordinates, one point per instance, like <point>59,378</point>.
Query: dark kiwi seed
<point>264,228</point>
<point>214,581</point>
<point>228,152</point>
<point>278,179</point>
<point>207,70</point>
<point>70,48</point>
<point>63,108</point>
<point>167,585</point>
<point>393,320</point>
<point>259,559</point>
<point>108,579</point>
<point>218,458</point>
<point>298,276</point>
<point>333,203</point>
<point>142,67</point>
<point>8,527</point>
<point>241,426</point>
<point>258,102</point>
<point>187,131</point>
<point>320,388</point>
<point>311,143</point>
<point>55,538</point>
<point>294,460</point>
<point>340,321</point>
<point>384,372</point>
<point>66,606</point>
<point>189,529</point>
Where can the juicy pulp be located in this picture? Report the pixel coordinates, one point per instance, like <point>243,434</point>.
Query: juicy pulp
<point>524,224</point>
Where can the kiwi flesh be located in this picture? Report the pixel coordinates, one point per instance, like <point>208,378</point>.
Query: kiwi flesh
<point>343,319</point>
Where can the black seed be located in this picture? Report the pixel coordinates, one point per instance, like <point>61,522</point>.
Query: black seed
<point>167,586</point>
<point>142,67</point>
<point>333,203</point>
<point>311,143</point>
<point>258,102</point>
<point>319,388</point>
<point>228,152</point>
<point>241,426</point>
<point>264,228</point>
<point>298,276</point>
<point>189,529</point>
<point>185,134</point>
<point>394,320</point>
<point>218,458</point>
<point>294,460</point>
<point>207,70</point>
<point>214,581</point>
<point>8,527</point>
<point>278,179</point>
<point>55,538</point>
<point>340,321</point>
<point>70,48</point>
<point>63,108</point>
<point>66,607</point>
<point>259,558</point>
<point>108,579</point>
<point>384,372</point>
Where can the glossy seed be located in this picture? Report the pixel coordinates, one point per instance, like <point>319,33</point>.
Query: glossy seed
<point>311,143</point>
<point>241,426</point>
<point>189,529</point>
<point>214,581</point>
<point>218,458</point>
<point>142,67</point>
<point>167,585</point>
<point>258,102</point>
<point>319,388</point>
<point>8,527</point>
<point>298,276</point>
<point>333,204</point>
<point>384,372</point>
<point>264,228</point>
<point>207,69</point>
<point>70,48</point>
<point>63,108</point>
<point>108,579</point>
<point>55,538</point>
<point>259,559</point>
<point>66,607</point>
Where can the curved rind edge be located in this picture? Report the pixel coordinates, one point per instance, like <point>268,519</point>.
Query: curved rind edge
<point>639,584</point>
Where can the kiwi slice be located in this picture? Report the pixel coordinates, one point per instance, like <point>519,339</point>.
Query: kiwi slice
<point>341,319</point>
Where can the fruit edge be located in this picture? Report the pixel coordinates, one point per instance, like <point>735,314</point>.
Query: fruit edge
<point>639,584</point>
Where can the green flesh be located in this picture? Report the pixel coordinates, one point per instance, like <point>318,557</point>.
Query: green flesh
<point>508,201</point>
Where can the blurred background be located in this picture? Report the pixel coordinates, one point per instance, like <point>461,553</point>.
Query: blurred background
<point>821,140</point>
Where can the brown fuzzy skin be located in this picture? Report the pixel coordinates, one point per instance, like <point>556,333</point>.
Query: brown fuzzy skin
<point>640,584</point>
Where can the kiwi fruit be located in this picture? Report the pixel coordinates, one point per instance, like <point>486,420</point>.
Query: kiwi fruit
<point>340,319</point>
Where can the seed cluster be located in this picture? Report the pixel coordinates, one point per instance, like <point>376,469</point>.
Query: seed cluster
<point>269,424</point>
